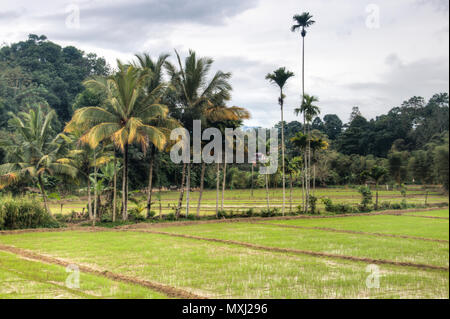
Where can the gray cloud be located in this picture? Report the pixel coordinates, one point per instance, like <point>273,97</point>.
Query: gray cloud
<point>348,64</point>
<point>124,25</point>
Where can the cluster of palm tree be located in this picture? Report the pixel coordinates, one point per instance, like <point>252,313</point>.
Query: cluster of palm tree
<point>139,108</point>
<point>309,111</point>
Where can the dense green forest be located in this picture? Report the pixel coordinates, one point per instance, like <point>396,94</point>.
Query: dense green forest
<point>37,76</point>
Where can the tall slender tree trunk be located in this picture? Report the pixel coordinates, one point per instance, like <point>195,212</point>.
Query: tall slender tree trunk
<point>188,188</point>
<point>303,191</point>
<point>282,153</point>
<point>224,180</point>
<point>290,192</point>
<point>304,127</point>
<point>314,180</point>
<point>44,195</point>
<point>252,180</point>
<point>202,184</point>
<point>376,196</point>
<point>125,184</point>
<point>217,189</point>
<point>267,191</point>
<point>180,199</point>
<point>95,189</point>
<point>115,189</point>
<point>89,197</point>
<point>150,183</point>
<point>159,199</point>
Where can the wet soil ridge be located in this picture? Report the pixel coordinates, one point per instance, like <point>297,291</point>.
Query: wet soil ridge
<point>296,251</point>
<point>167,290</point>
<point>334,230</point>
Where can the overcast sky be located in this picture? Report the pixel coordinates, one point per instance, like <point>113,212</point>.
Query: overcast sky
<point>371,54</point>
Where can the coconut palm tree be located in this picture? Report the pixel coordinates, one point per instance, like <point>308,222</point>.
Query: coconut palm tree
<point>309,111</point>
<point>153,82</point>
<point>301,23</point>
<point>33,150</point>
<point>200,98</point>
<point>85,159</point>
<point>280,77</point>
<point>125,118</point>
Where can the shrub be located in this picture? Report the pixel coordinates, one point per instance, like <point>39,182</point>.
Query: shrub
<point>22,213</point>
<point>151,214</point>
<point>170,216</point>
<point>312,204</point>
<point>249,212</point>
<point>339,208</point>
<point>222,214</point>
<point>270,212</point>
<point>366,198</point>
<point>135,214</point>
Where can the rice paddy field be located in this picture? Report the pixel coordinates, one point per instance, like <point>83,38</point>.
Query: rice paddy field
<point>401,255</point>
<point>241,200</point>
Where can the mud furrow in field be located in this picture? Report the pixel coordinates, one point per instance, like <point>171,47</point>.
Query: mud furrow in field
<point>295,251</point>
<point>214,221</point>
<point>252,219</point>
<point>423,216</point>
<point>167,290</point>
<point>334,230</point>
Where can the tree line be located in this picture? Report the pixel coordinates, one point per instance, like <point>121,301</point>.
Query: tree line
<point>70,122</point>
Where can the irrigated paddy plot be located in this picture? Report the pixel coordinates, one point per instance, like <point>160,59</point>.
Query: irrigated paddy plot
<point>296,258</point>
<point>239,200</point>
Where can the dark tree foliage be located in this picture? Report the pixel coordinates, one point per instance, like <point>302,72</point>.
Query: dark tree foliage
<point>38,69</point>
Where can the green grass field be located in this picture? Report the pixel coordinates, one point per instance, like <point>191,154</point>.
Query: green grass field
<point>237,269</point>
<point>240,200</point>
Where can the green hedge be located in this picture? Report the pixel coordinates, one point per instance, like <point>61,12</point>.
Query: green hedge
<point>24,212</point>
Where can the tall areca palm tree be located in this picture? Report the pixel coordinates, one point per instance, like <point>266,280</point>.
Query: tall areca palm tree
<point>33,151</point>
<point>200,98</point>
<point>125,118</point>
<point>280,77</point>
<point>309,110</point>
<point>301,23</point>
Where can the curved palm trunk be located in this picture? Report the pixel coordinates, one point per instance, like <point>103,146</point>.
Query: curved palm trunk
<point>202,183</point>
<point>44,195</point>
<point>125,184</point>
<point>180,199</point>
<point>224,180</point>
<point>282,152</point>
<point>115,190</point>
<point>150,184</point>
